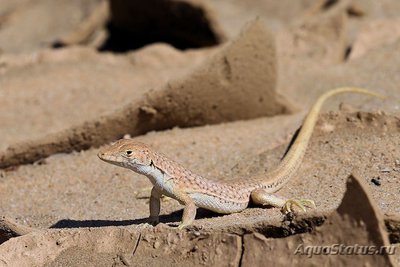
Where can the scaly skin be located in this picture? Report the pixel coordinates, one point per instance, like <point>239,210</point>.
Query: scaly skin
<point>191,190</point>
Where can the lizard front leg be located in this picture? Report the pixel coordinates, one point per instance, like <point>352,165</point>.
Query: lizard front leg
<point>154,206</point>
<point>262,197</point>
<point>189,211</point>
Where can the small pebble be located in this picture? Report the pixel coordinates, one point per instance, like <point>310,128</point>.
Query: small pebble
<point>157,244</point>
<point>146,238</point>
<point>376,181</point>
<point>125,260</point>
<point>385,169</point>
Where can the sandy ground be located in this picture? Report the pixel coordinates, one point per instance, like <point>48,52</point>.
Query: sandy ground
<point>226,111</point>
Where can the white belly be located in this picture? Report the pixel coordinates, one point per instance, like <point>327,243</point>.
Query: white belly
<point>163,182</point>
<point>217,204</point>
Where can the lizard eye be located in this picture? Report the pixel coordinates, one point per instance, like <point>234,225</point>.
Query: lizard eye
<point>129,152</point>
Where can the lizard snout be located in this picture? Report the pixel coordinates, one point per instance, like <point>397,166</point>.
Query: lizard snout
<point>101,154</point>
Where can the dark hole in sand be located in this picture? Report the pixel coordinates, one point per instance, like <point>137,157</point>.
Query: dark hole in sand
<point>136,24</point>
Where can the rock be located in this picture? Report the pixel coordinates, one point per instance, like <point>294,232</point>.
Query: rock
<point>357,222</point>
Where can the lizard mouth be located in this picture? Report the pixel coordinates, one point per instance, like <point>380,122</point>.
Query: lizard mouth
<point>115,160</point>
<point>108,158</point>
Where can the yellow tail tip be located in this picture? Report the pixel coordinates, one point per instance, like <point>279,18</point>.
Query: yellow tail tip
<point>360,90</point>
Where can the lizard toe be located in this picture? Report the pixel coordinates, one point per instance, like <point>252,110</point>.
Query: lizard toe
<point>182,226</point>
<point>300,203</point>
<point>153,220</point>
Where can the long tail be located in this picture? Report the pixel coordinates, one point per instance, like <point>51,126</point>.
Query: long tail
<point>291,162</point>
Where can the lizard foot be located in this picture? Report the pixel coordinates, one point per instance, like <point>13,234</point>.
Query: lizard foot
<point>301,203</point>
<point>183,226</point>
<point>153,220</point>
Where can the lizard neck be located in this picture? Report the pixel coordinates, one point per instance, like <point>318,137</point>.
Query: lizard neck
<point>158,178</point>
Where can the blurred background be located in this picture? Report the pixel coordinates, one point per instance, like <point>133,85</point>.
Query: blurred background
<point>120,26</point>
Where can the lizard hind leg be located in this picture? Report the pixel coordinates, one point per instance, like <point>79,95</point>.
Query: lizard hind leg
<point>262,197</point>
<point>189,211</point>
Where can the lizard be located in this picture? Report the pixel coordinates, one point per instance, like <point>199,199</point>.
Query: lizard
<point>192,190</point>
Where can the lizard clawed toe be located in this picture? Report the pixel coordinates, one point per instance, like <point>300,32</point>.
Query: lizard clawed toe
<point>153,221</point>
<point>182,226</point>
<point>301,203</point>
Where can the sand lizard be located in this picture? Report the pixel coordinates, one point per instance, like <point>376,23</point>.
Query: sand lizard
<point>191,190</point>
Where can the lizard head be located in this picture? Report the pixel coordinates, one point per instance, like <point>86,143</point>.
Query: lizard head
<point>127,153</point>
